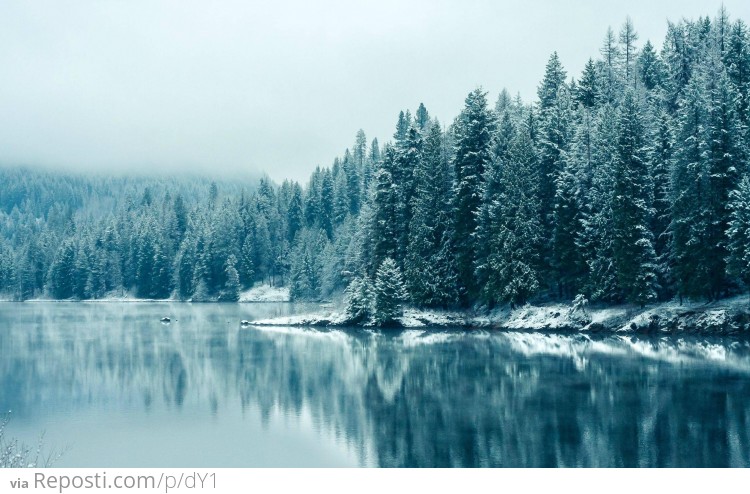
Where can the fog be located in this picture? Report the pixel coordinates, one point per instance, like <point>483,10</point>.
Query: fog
<point>275,87</point>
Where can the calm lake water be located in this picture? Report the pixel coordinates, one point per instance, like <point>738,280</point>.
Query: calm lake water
<point>117,388</point>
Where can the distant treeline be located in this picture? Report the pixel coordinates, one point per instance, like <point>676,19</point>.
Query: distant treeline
<point>628,183</point>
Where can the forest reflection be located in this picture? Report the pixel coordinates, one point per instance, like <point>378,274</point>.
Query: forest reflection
<point>409,398</point>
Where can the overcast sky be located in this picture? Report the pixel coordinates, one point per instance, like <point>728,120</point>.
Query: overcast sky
<point>276,87</point>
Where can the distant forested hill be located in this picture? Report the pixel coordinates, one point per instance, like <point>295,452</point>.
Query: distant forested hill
<point>625,183</point>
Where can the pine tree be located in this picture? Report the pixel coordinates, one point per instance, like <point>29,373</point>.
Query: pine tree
<point>340,199</point>
<point>326,220</point>
<point>295,214</point>
<point>161,277</point>
<point>554,79</point>
<point>587,91</point>
<point>408,158</point>
<point>678,67</point>
<point>385,208</point>
<point>633,252</point>
<point>628,38</point>
<point>389,293</point>
<point>422,118</point>
<point>181,220</point>
<point>597,153</point>
<point>60,277</point>
<point>246,265</point>
<point>738,233</point>
<point>650,68</point>
<point>707,161</point>
<point>661,162</point>
<point>358,300</point>
<point>566,259</point>
<point>555,135</point>
<point>515,233</point>
<point>610,77</point>
<point>736,58</point>
<point>352,174</point>
<point>473,133</point>
<point>184,265</point>
<point>725,165</point>
<point>231,291</point>
<point>429,275</point>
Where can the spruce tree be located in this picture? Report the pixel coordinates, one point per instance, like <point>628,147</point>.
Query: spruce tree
<point>649,68</point>
<point>587,91</point>
<point>633,252</point>
<point>231,292</point>
<point>385,208</point>
<point>515,231</point>
<point>428,273</point>
<point>555,134</point>
<point>738,233</point>
<point>358,300</point>
<point>389,293</point>
<point>597,178</point>
<point>295,213</point>
<point>474,130</point>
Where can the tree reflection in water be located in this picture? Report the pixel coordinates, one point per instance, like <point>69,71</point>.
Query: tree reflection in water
<point>397,398</point>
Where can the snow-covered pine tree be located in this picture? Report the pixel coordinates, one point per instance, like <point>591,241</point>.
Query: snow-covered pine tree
<point>183,270</point>
<point>515,231</point>
<point>632,248</point>
<point>555,133</point>
<point>295,216</point>
<point>474,130</point>
<point>429,275</point>
<point>677,62</point>
<point>231,292</point>
<point>326,219</point>
<point>610,78</point>
<point>161,282</point>
<point>359,300</point>
<point>352,172</point>
<point>726,165</point>
<point>407,159</point>
<point>340,197</point>
<point>738,233</point>
<point>385,209</point>
<point>587,91</point>
<point>554,79</point>
<point>661,163</point>
<point>596,176</point>
<point>649,68</point>
<point>566,263</point>
<point>421,118</point>
<point>707,161</point>
<point>389,293</point>
<point>736,58</point>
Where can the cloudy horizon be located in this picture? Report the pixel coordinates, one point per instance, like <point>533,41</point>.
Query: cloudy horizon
<point>274,88</point>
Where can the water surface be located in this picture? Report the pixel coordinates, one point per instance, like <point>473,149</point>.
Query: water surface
<point>117,388</point>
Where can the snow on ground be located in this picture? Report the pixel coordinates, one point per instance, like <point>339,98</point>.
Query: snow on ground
<point>414,318</point>
<point>324,318</point>
<point>265,293</point>
<point>546,317</point>
<point>600,316</point>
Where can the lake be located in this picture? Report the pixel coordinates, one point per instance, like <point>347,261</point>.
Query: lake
<point>115,387</point>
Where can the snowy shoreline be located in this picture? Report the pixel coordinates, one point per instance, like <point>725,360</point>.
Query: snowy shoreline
<point>730,316</point>
<point>724,317</point>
